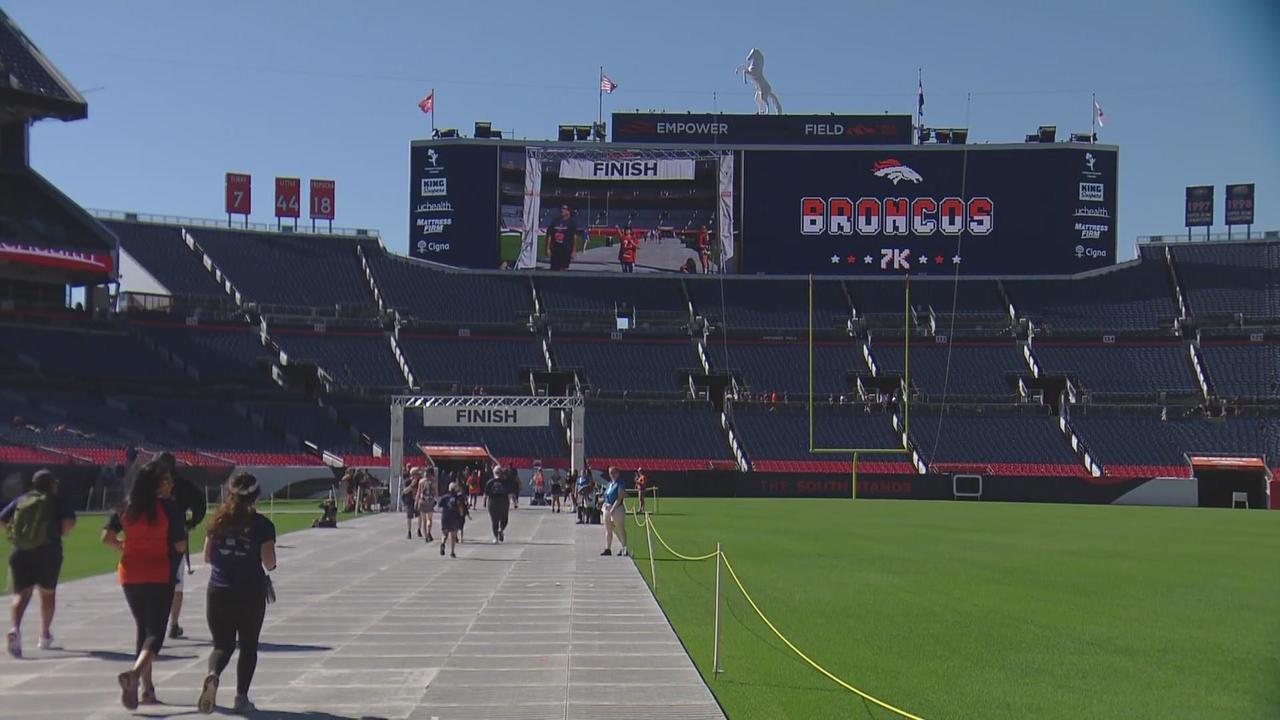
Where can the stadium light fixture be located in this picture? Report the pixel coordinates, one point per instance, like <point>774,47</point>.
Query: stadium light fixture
<point>495,134</point>
<point>925,134</point>
<point>565,133</point>
<point>1032,137</point>
<point>1083,138</point>
<point>943,136</point>
<point>483,129</point>
<point>582,132</point>
<point>449,133</point>
<point>1047,133</point>
<point>959,136</point>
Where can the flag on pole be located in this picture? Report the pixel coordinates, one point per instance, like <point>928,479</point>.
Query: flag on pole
<point>920,97</point>
<point>1100,116</point>
<point>607,85</point>
<point>428,103</point>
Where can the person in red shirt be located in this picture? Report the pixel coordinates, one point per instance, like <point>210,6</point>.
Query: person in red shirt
<point>641,482</point>
<point>704,249</point>
<point>154,540</point>
<point>627,249</point>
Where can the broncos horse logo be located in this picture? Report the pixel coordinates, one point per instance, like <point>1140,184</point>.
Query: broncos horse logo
<point>895,171</point>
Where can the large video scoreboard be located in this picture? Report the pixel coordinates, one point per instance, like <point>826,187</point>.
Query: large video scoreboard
<point>880,210</point>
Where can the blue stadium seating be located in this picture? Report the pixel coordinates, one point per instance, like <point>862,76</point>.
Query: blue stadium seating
<point>784,366</point>
<point>283,269</point>
<point>1138,370</point>
<point>978,298</point>
<point>84,354</point>
<point>1138,297</point>
<point>1022,443</point>
<point>1222,280</point>
<point>1146,440</point>
<point>221,354</point>
<point>689,431</point>
<point>308,422</point>
<point>621,365</point>
<point>438,296</point>
<point>737,303</point>
<point>976,370</point>
<point>161,250</point>
<point>1246,371</point>
<point>356,359</point>
<point>570,297</point>
<point>213,423</point>
<point>470,363</point>
<point>782,433</point>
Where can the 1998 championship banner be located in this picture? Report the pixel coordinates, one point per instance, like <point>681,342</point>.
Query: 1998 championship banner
<point>1023,210</point>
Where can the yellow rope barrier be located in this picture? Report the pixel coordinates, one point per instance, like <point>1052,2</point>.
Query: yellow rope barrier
<point>804,657</point>
<point>646,520</point>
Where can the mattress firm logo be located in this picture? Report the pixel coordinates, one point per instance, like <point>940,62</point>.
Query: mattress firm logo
<point>433,226</point>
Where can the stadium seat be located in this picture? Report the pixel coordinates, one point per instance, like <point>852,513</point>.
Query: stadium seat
<point>1121,370</point>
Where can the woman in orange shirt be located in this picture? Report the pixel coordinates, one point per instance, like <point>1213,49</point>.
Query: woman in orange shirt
<point>154,540</point>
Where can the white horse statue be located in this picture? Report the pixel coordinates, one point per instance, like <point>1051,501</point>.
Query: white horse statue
<point>754,69</point>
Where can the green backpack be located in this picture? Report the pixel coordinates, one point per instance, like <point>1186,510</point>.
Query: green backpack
<point>32,525</point>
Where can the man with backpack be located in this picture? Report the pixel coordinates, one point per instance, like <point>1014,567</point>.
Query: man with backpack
<point>190,503</point>
<point>496,490</point>
<point>36,522</point>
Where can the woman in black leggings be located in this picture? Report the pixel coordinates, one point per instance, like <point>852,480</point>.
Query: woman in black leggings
<point>154,539</point>
<point>240,543</point>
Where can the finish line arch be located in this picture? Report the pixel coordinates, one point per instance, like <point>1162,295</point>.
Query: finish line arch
<point>421,403</point>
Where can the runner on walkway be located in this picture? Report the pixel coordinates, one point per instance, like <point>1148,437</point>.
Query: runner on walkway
<point>452,508</point>
<point>240,548</point>
<point>496,492</point>
<point>641,483</point>
<point>426,504</point>
<point>409,501</point>
<point>189,501</point>
<point>557,489</point>
<point>36,522</point>
<point>154,541</point>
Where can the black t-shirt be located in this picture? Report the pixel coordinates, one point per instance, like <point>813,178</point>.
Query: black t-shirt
<point>451,506</point>
<point>496,487</point>
<point>561,234</point>
<point>237,559</point>
<point>188,501</point>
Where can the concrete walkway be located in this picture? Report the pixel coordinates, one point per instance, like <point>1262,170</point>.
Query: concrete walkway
<point>372,625</point>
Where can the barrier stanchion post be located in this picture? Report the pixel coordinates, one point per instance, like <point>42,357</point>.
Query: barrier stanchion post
<point>653,568</point>
<point>715,655</point>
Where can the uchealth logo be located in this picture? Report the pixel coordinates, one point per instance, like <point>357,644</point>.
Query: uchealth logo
<point>895,171</point>
<point>920,217</point>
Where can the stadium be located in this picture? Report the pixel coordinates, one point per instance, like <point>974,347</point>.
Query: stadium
<point>896,466</point>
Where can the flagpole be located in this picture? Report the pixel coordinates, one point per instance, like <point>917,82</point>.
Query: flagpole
<point>433,112</point>
<point>600,102</point>
<point>919,92</point>
<point>1093,118</point>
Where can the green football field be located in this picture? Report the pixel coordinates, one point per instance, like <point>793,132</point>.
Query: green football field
<point>84,554</point>
<point>978,610</point>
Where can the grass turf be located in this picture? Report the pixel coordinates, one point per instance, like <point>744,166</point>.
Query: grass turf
<point>979,610</point>
<point>85,555</point>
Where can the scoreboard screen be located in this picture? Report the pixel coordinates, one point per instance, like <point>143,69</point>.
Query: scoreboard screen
<point>1003,210</point>
<point>879,210</point>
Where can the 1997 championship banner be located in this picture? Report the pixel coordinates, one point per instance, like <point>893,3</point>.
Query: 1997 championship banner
<point>995,210</point>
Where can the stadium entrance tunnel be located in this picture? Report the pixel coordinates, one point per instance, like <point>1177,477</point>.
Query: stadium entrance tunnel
<point>1223,481</point>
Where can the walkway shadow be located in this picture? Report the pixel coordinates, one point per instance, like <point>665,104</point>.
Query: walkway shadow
<point>114,656</point>
<point>287,647</point>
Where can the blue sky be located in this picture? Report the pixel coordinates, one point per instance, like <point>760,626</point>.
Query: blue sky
<point>180,93</point>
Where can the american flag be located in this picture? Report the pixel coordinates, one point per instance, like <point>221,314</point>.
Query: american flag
<point>607,85</point>
<point>1101,116</point>
<point>428,103</point>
